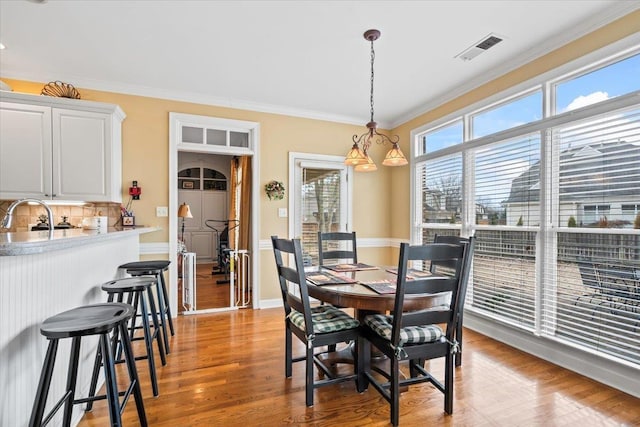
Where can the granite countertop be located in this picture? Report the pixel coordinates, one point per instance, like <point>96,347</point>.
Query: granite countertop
<point>36,242</point>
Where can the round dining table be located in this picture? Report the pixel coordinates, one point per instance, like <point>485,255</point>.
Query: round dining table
<point>364,300</point>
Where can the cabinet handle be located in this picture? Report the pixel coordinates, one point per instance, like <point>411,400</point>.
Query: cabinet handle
<point>46,195</point>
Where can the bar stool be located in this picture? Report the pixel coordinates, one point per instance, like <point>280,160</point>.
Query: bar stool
<point>134,289</point>
<point>98,319</point>
<point>156,268</point>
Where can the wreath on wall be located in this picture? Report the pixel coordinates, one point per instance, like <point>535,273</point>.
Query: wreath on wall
<point>274,190</point>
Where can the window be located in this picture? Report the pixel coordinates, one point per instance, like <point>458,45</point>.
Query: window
<point>440,190</point>
<point>599,170</point>
<point>608,82</point>
<point>507,182</point>
<point>443,137</point>
<point>552,204</point>
<point>201,178</point>
<point>524,109</point>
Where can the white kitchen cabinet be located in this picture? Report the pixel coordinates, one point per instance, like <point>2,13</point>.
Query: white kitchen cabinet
<point>60,149</point>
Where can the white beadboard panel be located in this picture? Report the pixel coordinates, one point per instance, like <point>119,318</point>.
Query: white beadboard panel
<point>33,288</point>
<point>156,248</point>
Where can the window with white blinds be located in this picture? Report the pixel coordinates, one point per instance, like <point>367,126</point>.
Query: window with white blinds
<point>507,191</point>
<point>597,299</point>
<point>554,205</point>
<point>440,190</point>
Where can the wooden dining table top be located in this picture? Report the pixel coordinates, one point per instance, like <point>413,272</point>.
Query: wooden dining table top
<point>360,297</point>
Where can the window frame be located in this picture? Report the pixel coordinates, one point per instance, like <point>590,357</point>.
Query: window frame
<point>546,240</point>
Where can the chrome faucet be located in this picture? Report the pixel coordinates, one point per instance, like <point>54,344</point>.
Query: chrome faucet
<point>8,218</point>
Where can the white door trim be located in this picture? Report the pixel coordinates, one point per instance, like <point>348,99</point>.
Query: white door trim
<point>175,145</point>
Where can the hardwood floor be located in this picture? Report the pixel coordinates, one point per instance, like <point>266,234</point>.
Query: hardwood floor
<point>227,369</point>
<point>209,294</point>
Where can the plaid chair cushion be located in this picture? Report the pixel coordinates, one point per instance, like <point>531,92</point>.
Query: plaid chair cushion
<point>326,318</point>
<point>381,325</point>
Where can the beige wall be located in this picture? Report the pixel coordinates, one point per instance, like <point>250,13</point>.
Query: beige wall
<point>617,30</point>
<point>145,147</point>
<point>378,211</point>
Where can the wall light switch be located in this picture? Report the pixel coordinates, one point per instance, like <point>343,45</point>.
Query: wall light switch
<point>282,212</point>
<point>162,211</point>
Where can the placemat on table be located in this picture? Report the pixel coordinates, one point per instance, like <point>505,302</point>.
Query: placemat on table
<point>381,286</point>
<point>325,278</point>
<point>350,267</point>
<point>412,273</point>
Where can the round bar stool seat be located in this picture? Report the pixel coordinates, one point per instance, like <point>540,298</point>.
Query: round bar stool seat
<point>156,268</point>
<point>138,293</point>
<point>97,319</point>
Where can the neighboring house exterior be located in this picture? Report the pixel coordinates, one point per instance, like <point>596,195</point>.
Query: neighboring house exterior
<point>599,185</point>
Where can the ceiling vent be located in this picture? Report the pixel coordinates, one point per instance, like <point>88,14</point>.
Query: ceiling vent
<point>482,46</point>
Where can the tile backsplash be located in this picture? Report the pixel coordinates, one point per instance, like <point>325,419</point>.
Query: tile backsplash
<point>28,214</point>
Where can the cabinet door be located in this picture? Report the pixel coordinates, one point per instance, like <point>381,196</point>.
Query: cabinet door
<point>25,151</point>
<point>202,245</point>
<point>81,155</point>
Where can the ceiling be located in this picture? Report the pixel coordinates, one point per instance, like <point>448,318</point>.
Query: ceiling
<point>304,58</point>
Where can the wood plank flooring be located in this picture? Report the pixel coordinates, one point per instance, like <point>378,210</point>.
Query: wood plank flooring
<point>227,369</point>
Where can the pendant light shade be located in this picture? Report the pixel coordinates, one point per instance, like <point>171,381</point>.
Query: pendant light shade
<point>370,166</point>
<point>395,157</point>
<point>355,157</point>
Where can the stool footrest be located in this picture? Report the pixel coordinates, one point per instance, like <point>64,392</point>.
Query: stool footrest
<point>58,405</point>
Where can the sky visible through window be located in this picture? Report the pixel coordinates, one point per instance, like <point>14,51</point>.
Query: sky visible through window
<point>616,79</point>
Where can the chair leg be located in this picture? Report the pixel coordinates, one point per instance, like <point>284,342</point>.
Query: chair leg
<point>394,391</point>
<point>94,378</point>
<point>72,376</point>
<point>163,313</point>
<point>448,383</point>
<point>156,326</point>
<point>113,401</point>
<point>148,342</point>
<point>165,296</point>
<point>288,352</point>
<point>43,385</point>
<point>459,339</point>
<point>309,375</point>
<point>133,375</point>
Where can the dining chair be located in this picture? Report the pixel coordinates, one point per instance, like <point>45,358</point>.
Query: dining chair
<point>446,268</point>
<point>416,336</point>
<point>331,246</point>
<point>316,326</point>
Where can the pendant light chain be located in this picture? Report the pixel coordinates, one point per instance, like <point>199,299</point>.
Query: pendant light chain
<point>373,57</point>
<point>358,156</point>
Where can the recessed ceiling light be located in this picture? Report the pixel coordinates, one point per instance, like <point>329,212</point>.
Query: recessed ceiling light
<point>2,46</point>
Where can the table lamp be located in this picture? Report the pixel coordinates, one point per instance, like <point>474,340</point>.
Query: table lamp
<point>184,212</point>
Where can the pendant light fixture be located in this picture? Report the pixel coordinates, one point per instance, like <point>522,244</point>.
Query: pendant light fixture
<point>358,156</point>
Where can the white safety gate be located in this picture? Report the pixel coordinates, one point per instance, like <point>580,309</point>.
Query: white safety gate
<point>189,281</point>
<point>240,268</point>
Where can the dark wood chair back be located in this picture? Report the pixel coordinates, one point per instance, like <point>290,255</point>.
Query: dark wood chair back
<point>329,246</point>
<point>453,255</point>
<point>293,281</point>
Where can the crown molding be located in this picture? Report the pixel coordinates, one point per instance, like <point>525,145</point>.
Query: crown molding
<point>185,96</point>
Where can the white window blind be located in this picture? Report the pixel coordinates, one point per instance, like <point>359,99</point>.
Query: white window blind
<point>596,302</point>
<point>507,192</point>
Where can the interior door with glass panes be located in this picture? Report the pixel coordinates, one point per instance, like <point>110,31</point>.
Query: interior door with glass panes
<point>321,203</point>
